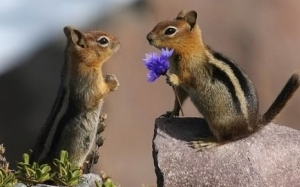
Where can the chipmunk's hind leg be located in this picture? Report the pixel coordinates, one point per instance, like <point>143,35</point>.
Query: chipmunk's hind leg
<point>225,134</point>
<point>202,144</point>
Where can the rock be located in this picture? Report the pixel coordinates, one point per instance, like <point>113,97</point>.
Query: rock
<point>270,157</point>
<point>20,185</point>
<point>88,180</point>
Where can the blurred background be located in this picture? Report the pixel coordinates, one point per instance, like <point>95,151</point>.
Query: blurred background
<point>263,37</point>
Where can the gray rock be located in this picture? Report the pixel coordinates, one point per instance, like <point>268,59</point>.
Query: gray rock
<point>20,185</point>
<point>43,185</point>
<point>270,157</point>
<point>88,180</point>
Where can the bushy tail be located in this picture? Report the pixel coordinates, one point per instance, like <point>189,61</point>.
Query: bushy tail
<point>284,96</point>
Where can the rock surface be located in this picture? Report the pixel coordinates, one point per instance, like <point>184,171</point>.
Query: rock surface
<point>88,180</point>
<point>270,157</point>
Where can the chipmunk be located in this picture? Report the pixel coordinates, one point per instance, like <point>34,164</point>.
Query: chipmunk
<point>76,114</point>
<point>219,89</point>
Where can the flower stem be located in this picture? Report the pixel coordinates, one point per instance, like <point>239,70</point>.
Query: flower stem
<point>179,102</point>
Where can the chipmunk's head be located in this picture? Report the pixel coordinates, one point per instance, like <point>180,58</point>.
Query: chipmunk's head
<point>91,48</point>
<point>176,34</point>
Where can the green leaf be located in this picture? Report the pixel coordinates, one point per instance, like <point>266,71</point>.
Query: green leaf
<point>45,168</point>
<point>76,173</point>
<point>26,158</point>
<point>73,181</point>
<point>59,164</point>
<point>63,156</point>
<point>7,180</point>
<point>38,173</point>
<point>31,170</point>
<point>97,184</point>
<point>69,175</point>
<point>64,173</point>
<point>2,172</point>
<point>45,177</point>
<point>52,175</point>
<point>23,165</point>
<point>108,183</point>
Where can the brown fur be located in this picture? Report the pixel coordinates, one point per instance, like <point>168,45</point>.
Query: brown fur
<point>87,62</point>
<point>219,89</point>
<point>73,122</point>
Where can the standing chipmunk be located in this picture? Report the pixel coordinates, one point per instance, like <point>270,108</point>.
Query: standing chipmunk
<point>218,88</point>
<point>73,121</point>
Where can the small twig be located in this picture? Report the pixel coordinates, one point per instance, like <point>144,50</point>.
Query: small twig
<point>177,97</point>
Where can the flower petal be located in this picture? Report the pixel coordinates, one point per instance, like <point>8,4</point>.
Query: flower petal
<point>152,76</point>
<point>157,64</point>
<point>166,53</point>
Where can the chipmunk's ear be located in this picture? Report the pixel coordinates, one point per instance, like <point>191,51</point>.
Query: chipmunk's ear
<point>191,18</point>
<point>75,36</point>
<point>181,14</point>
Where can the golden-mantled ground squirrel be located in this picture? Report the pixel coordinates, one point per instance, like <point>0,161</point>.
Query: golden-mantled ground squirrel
<point>73,121</point>
<point>219,89</point>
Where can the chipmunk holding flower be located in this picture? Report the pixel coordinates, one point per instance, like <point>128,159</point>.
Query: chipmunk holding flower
<point>73,123</point>
<point>219,89</point>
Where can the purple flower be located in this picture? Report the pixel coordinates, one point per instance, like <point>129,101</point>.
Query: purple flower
<point>157,64</point>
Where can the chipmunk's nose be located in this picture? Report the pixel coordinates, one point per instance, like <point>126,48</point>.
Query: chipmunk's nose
<point>150,38</point>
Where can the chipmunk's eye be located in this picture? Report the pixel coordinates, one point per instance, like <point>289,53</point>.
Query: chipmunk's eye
<point>103,40</point>
<point>170,30</point>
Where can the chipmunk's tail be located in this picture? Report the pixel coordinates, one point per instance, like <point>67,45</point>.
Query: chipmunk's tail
<point>284,96</point>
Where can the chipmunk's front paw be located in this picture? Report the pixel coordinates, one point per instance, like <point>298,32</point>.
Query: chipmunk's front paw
<point>112,82</point>
<point>173,80</point>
